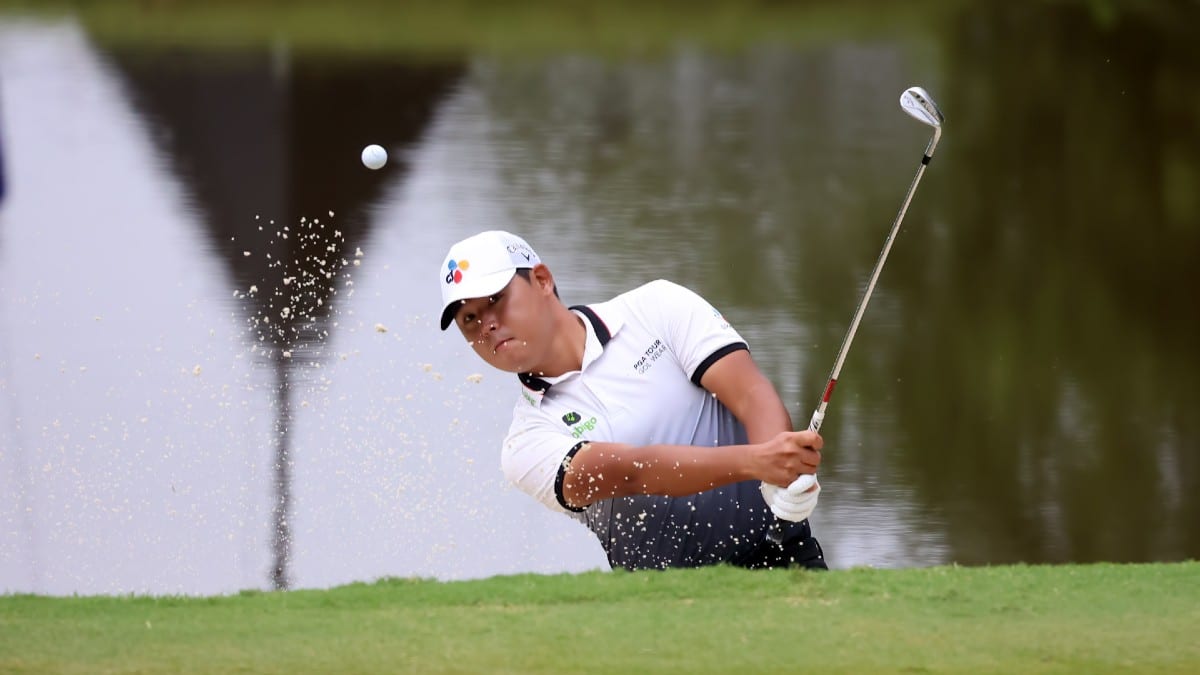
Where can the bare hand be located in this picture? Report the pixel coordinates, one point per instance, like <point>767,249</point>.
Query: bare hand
<point>787,456</point>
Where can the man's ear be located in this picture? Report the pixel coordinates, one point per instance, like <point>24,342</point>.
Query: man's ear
<point>542,278</point>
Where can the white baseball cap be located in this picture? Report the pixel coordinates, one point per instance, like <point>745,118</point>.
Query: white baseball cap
<point>481,265</point>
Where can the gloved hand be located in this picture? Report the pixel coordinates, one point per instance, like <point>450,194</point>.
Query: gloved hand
<point>790,504</point>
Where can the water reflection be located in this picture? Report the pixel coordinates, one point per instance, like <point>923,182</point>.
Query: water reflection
<point>268,134</point>
<point>1069,272</point>
<point>122,469</point>
<point>188,319</point>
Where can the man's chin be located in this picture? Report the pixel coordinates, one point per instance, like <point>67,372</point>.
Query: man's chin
<point>509,363</point>
<point>516,370</point>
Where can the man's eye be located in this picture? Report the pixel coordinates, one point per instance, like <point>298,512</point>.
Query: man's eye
<point>494,299</point>
<point>468,318</point>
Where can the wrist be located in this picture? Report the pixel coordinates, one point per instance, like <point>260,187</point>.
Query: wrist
<point>749,462</point>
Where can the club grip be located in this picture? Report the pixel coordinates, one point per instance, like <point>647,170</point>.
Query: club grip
<point>818,417</point>
<point>803,483</point>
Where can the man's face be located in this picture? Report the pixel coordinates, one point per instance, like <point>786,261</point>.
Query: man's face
<point>506,328</point>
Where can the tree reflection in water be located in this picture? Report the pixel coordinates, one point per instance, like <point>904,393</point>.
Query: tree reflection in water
<point>266,144</point>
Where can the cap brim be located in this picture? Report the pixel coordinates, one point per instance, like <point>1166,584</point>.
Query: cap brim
<point>479,287</point>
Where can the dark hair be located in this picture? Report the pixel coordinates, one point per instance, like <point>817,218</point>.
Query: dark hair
<point>526,272</point>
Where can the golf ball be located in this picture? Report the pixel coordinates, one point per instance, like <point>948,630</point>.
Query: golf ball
<point>374,156</point>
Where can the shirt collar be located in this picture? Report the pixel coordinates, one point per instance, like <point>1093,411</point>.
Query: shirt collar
<point>598,332</point>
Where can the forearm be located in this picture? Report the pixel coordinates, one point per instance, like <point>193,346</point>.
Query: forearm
<point>762,413</point>
<point>738,383</point>
<point>604,470</point>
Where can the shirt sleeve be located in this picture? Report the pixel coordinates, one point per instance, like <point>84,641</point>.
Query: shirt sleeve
<point>695,331</point>
<point>535,456</point>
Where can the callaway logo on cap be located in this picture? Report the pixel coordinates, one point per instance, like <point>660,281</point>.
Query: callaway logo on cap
<point>479,266</point>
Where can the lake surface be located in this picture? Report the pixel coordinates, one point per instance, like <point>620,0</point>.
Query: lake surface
<point>219,360</point>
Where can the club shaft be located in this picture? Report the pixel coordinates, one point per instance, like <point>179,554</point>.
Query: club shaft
<point>806,481</point>
<point>819,414</point>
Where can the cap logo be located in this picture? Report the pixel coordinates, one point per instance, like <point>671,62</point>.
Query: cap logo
<point>521,250</point>
<point>457,267</point>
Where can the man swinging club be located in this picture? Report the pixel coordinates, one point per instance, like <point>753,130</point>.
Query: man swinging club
<point>643,417</point>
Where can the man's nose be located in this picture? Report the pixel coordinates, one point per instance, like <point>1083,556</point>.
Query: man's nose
<point>488,320</point>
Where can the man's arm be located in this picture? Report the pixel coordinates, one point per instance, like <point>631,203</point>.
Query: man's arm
<point>775,454</point>
<point>604,470</point>
<point>737,383</point>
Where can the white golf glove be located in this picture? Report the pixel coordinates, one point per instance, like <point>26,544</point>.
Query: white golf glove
<point>789,504</point>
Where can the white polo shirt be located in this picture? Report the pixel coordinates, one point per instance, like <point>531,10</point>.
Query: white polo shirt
<point>645,353</point>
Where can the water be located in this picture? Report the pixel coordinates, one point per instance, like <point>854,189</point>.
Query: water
<point>1021,388</point>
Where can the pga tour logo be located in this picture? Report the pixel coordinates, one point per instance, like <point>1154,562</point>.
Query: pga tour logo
<point>652,354</point>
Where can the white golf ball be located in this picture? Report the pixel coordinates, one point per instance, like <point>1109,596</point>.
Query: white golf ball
<point>374,156</point>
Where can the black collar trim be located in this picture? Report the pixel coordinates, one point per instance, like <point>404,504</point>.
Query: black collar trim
<point>535,383</point>
<point>602,334</point>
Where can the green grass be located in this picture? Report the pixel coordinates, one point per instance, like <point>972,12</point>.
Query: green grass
<point>1047,619</point>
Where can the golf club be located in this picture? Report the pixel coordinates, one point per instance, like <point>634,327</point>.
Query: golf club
<point>919,104</point>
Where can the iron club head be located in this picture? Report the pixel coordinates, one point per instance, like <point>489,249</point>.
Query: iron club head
<point>918,103</point>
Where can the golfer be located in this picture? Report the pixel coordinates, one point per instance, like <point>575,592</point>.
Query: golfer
<point>643,417</point>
